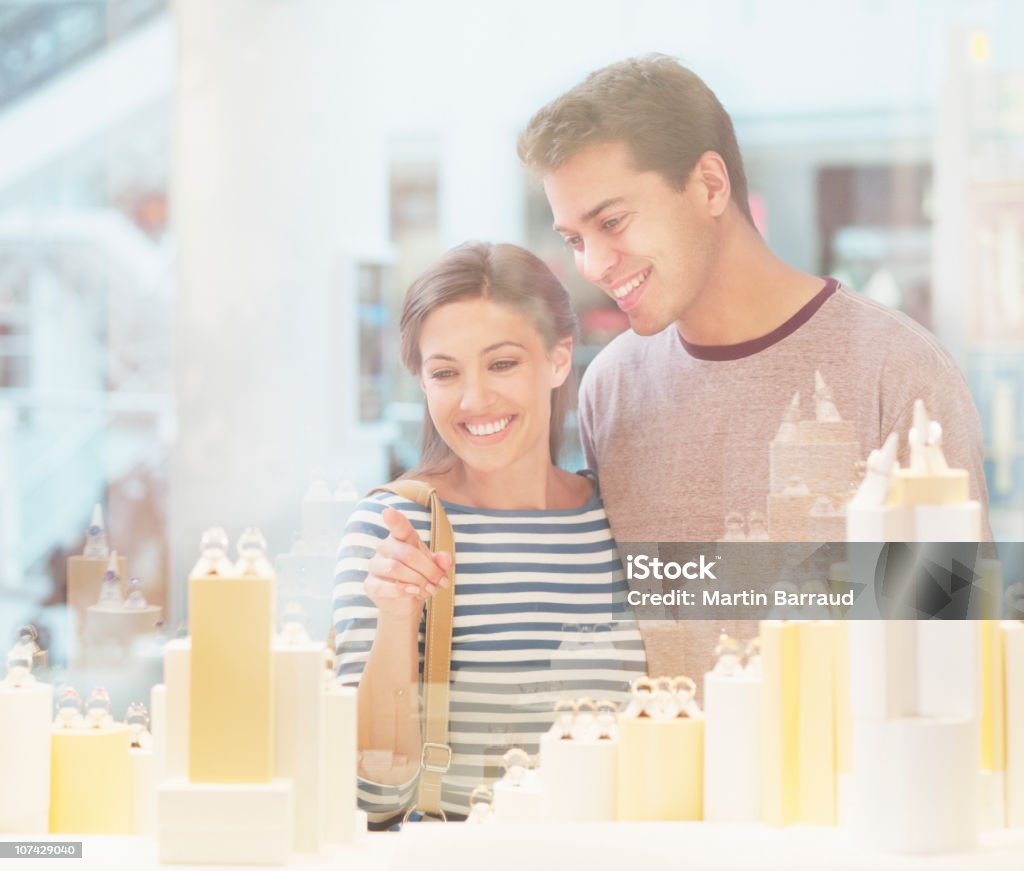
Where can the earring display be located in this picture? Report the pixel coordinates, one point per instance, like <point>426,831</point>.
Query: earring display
<point>136,718</point>
<point>481,806</point>
<point>115,620</point>
<point>86,572</point>
<point>661,755</point>
<point>231,681</point>
<point>935,684</point>
<point>578,761</point>
<point>517,795</point>
<point>231,684</point>
<point>91,775</point>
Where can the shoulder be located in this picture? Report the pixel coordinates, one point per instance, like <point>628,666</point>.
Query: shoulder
<point>622,355</point>
<point>892,333</point>
<point>366,518</point>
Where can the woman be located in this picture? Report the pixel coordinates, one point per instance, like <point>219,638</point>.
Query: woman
<point>489,332</point>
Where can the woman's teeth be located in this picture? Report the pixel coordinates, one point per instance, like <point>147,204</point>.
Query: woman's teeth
<point>488,428</point>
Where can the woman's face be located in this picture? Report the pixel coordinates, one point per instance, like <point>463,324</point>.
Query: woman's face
<point>488,380</point>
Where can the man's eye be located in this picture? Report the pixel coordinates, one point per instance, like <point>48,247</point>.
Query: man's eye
<point>611,223</point>
<point>574,242</point>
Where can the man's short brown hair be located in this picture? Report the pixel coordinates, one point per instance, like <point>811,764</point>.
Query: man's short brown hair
<point>664,112</point>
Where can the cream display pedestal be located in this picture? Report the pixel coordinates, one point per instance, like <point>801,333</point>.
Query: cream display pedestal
<point>25,714</point>
<point>236,823</point>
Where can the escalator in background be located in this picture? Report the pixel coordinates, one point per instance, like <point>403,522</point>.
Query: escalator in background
<point>40,39</point>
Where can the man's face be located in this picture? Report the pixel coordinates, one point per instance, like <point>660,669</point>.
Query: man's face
<point>650,247</point>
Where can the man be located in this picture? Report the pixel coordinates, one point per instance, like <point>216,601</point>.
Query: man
<point>643,173</point>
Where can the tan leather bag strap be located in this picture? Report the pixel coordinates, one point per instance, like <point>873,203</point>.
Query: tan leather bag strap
<point>436,755</point>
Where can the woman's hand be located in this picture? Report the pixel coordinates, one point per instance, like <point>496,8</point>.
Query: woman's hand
<point>403,573</point>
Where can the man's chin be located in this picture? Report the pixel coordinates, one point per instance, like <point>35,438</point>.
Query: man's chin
<point>644,327</point>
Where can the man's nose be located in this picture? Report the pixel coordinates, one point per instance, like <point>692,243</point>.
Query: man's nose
<point>597,261</point>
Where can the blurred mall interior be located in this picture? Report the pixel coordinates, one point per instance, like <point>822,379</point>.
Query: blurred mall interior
<point>210,211</point>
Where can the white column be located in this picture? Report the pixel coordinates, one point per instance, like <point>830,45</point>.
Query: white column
<point>481,190</point>
<point>276,174</point>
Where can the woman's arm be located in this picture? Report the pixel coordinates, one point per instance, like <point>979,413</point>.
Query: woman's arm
<point>396,580</point>
<point>389,722</point>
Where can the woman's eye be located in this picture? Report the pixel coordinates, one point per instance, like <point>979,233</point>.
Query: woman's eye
<point>612,223</point>
<point>504,364</point>
<point>442,374</point>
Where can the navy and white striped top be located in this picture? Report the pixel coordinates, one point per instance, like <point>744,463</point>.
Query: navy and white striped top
<point>540,615</point>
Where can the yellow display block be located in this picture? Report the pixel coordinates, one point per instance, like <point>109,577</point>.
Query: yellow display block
<point>91,781</point>
<point>816,754</point>
<point>780,662</point>
<point>661,769</point>
<point>992,716</point>
<point>914,488</point>
<point>841,686</point>
<point>231,712</point>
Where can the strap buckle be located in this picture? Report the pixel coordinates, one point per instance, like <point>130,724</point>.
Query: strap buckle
<point>436,766</point>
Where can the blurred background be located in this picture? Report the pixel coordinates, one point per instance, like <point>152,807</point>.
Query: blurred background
<point>210,211</point>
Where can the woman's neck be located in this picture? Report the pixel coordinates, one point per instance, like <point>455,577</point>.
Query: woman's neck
<point>513,489</point>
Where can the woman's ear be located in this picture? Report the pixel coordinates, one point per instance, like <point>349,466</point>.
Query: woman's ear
<point>561,360</point>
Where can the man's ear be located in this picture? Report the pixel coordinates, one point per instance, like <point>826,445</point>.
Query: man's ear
<point>561,359</point>
<point>713,177</point>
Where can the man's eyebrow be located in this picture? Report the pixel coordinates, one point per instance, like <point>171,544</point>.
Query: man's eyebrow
<point>594,212</point>
<point>486,350</point>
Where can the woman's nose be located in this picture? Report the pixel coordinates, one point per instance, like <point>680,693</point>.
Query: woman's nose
<point>476,394</point>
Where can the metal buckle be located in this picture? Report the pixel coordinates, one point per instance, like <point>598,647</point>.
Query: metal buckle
<point>436,767</point>
<point>439,817</point>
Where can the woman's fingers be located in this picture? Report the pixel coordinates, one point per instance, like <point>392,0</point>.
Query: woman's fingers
<point>400,527</point>
<point>397,572</point>
<point>443,561</point>
<point>417,559</point>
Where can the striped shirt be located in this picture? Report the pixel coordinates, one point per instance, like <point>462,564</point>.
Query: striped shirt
<point>540,616</point>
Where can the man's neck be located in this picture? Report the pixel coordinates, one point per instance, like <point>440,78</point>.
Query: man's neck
<point>751,292</point>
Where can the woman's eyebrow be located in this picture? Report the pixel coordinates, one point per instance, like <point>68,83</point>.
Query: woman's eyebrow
<point>497,345</point>
<point>486,350</point>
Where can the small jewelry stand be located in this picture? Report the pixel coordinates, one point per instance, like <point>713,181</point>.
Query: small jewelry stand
<point>91,773</point>
<point>143,785</point>
<point>579,763</point>
<point>518,796</point>
<point>230,808</point>
<point>661,756</point>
